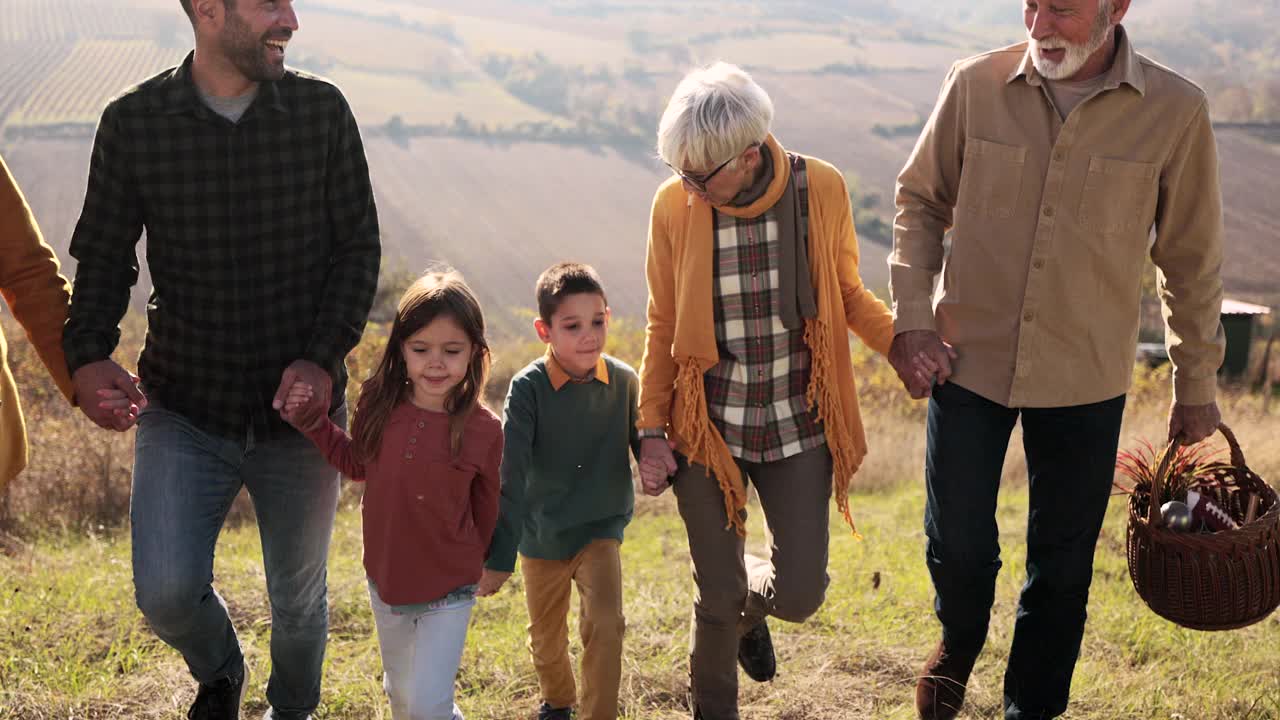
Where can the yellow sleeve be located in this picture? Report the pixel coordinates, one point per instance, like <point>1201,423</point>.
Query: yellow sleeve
<point>865,314</point>
<point>37,294</point>
<point>658,368</point>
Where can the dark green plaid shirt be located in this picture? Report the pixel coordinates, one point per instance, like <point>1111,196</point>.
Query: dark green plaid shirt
<point>262,244</point>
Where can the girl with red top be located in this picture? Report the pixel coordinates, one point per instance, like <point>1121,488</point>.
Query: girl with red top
<point>429,453</point>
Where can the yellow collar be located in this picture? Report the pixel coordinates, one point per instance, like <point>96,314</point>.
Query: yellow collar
<point>781,174</point>
<point>559,376</point>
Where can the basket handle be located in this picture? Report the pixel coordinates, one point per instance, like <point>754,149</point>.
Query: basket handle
<point>1158,481</point>
<point>1237,455</point>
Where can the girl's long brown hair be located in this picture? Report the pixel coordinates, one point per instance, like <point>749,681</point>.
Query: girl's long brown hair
<point>431,296</point>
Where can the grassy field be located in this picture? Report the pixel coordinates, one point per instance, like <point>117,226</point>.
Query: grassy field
<point>74,646</point>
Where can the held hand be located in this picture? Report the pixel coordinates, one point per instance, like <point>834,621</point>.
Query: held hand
<point>657,465</point>
<point>311,412</point>
<point>299,397</point>
<point>491,581</point>
<point>1193,423</point>
<point>119,406</point>
<point>124,411</point>
<point>653,477</point>
<point>921,358</point>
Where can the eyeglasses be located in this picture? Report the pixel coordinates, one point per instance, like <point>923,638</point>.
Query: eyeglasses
<point>700,183</point>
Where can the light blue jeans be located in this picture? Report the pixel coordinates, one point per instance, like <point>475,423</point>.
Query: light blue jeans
<point>421,652</point>
<point>184,481</point>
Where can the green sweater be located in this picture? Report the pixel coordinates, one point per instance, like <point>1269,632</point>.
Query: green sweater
<point>566,477</point>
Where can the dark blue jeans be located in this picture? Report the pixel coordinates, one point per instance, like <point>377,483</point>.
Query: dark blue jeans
<point>1071,453</point>
<point>184,481</point>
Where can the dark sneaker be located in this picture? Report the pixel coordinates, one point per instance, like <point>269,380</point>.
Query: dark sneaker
<point>546,712</point>
<point>940,689</point>
<point>221,700</point>
<point>755,653</point>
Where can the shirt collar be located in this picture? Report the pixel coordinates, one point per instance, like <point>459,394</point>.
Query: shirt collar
<point>178,92</point>
<point>1125,69</point>
<point>559,377</point>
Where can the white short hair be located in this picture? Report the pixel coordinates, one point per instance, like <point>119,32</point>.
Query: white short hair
<point>714,114</point>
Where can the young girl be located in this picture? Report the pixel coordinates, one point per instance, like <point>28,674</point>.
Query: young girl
<point>429,453</point>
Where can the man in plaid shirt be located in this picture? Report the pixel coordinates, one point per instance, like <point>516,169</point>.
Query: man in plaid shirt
<point>251,183</point>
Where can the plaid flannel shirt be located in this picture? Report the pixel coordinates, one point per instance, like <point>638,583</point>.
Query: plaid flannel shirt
<point>262,242</point>
<point>756,393</point>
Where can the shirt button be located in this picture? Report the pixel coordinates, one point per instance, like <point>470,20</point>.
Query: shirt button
<point>579,467</point>
<point>1037,264</point>
<point>421,424</point>
<point>1029,316</point>
<point>1048,211</point>
<point>1059,155</point>
<point>413,441</point>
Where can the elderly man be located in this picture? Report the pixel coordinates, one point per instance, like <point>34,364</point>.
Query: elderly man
<point>38,295</point>
<point>262,238</point>
<point>1051,161</point>
<point>753,288</point>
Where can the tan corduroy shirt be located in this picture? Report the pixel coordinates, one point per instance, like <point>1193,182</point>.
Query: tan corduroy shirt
<point>1052,223</point>
<point>38,296</point>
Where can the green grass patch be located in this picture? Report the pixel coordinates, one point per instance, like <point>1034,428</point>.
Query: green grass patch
<point>72,644</point>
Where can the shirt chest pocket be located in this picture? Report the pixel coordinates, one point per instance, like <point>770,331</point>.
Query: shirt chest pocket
<point>991,178</point>
<point>1117,196</point>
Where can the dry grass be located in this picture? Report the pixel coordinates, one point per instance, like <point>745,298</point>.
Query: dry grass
<point>79,476</point>
<point>72,644</point>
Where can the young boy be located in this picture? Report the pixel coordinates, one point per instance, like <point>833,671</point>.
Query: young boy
<point>567,494</point>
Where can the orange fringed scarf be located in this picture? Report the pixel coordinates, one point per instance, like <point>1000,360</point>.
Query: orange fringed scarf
<point>680,339</point>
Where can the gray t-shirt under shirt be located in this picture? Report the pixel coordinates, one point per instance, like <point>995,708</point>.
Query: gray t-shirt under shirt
<point>230,108</point>
<point>1067,95</point>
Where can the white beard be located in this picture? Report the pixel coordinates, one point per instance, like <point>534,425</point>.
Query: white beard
<point>1076,55</point>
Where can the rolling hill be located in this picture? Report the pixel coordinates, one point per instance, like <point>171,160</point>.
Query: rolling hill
<point>506,134</point>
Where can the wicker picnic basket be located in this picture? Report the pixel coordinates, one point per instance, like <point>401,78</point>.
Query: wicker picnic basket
<point>1208,581</point>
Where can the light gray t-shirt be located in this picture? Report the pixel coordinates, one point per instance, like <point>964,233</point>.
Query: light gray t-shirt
<point>230,108</point>
<point>1067,95</point>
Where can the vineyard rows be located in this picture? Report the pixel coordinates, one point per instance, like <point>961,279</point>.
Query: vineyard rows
<point>23,67</point>
<point>46,21</point>
<point>94,72</point>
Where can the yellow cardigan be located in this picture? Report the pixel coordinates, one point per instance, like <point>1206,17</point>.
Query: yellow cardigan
<point>680,342</point>
<point>38,297</point>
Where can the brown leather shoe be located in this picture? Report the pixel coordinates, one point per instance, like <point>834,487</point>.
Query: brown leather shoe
<point>940,689</point>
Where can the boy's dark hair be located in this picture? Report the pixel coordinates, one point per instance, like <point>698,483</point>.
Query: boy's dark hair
<point>562,280</point>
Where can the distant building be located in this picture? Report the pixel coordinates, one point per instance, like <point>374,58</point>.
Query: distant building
<point>1239,322</point>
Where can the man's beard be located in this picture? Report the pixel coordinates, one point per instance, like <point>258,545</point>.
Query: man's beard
<point>1076,55</point>
<point>249,53</point>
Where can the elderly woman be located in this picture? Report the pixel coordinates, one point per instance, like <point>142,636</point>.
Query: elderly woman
<point>753,279</point>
